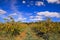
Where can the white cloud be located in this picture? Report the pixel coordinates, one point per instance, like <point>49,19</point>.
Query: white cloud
<point>53,1</point>
<point>23,2</point>
<point>35,3</point>
<point>49,14</point>
<point>31,17</point>
<point>39,3</point>
<point>36,18</point>
<point>21,18</point>
<point>41,15</point>
<point>16,16</point>
<point>13,14</point>
<point>2,11</point>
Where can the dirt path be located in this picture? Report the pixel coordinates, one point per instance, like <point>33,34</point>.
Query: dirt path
<point>21,36</point>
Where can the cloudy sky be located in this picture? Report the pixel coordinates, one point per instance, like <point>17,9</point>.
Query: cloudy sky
<point>30,10</point>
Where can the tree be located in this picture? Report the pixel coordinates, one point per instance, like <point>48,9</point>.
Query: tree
<point>11,19</point>
<point>6,19</point>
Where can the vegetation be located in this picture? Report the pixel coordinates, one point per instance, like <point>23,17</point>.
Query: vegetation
<point>43,30</point>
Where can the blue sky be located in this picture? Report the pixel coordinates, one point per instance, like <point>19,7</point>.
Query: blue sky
<point>30,10</point>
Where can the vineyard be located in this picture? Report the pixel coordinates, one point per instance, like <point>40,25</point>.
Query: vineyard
<point>42,30</point>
